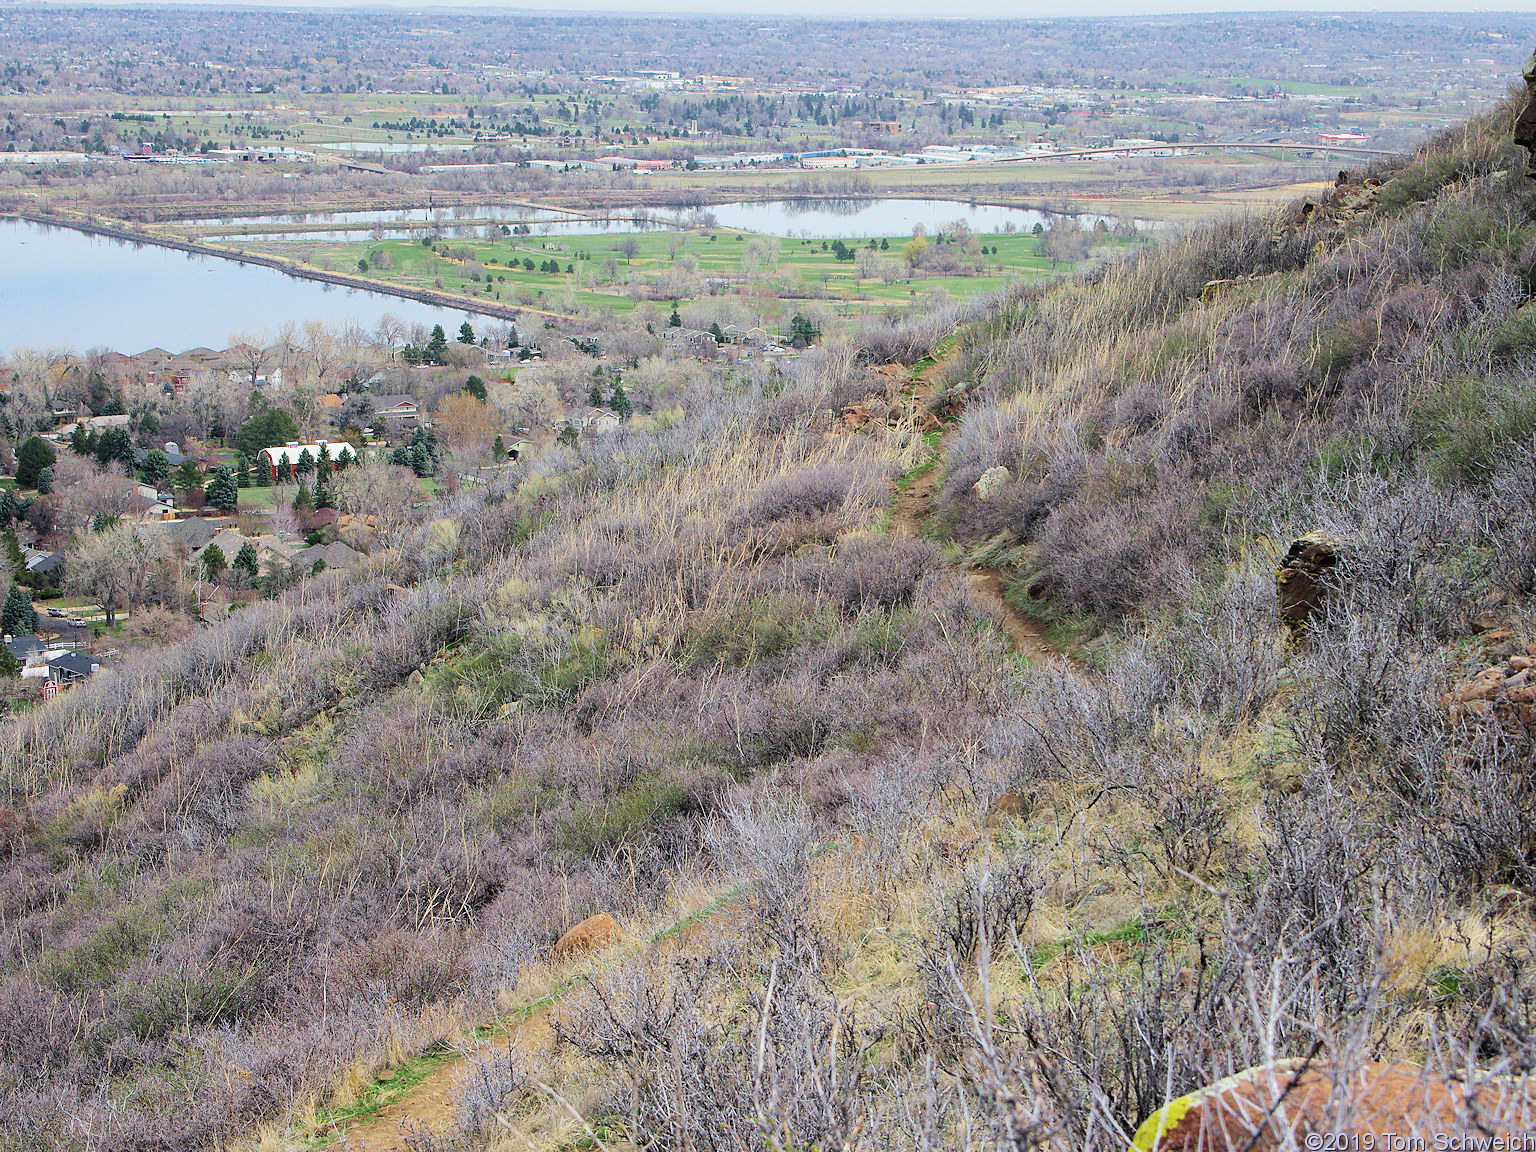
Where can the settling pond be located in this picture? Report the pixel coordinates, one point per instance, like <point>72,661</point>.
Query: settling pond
<point>816,219</point>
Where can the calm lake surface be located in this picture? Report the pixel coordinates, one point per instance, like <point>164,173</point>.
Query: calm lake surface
<point>62,288</point>
<point>818,219</point>
<point>833,219</point>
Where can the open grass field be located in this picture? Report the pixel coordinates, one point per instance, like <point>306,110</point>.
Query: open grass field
<point>512,269</point>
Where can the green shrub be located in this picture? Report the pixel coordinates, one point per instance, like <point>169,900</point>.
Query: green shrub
<point>1516,337</point>
<point>594,829</point>
<point>740,635</point>
<point>1464,426</point>
<point>95,961</point>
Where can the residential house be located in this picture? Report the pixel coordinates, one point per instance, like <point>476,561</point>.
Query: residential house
<point>71,667</point>
<point>597,421</point>
<point>337,556</point>
<point>42,563</point>
<point>691,341</point>
<point>282,460</point>
<point>193,532</point>
<point>91,424</point>
<point>516,449</point>
<point>171,454</point>
<point>396,406</point>
<point>31,653</point>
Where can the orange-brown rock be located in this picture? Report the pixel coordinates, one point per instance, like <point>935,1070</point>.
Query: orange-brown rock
<point>1505,690</point>
<point>592,934</point>
<point>1277,1106</point>
<point>1008,806</point>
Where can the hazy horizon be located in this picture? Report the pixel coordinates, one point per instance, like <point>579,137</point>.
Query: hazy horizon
<point>848,9</point>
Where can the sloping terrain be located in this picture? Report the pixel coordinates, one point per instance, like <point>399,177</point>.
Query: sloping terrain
<point>978,900</point>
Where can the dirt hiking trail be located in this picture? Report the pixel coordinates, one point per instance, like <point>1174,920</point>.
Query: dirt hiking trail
<point>429,1105</point>
<point>914,505</point>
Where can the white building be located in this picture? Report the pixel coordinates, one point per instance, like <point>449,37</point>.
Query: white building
<point>284,459</point>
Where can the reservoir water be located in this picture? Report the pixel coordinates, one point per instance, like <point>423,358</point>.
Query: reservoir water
<point>62,288</point>
<point>817,218</point>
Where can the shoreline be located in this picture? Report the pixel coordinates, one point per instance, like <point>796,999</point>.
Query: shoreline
<point>431,297</point>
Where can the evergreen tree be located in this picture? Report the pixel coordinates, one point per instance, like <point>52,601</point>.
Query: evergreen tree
<point>17,616</point>
<point>676,319</point>
<point>115,444</point>
<point>267,429</point>
<point>213,561</point>
<point>714,330</point>
<point>619,402</point>
<point>305,464</point>
<point>511,336</point>
<point>156,468</point>
<point>45,482</point>
<point>246,565</point>
<point>222,491</point>
<point>595,396</point>
<point>189,477</point>
<point>243,473</point>
<point>802,332</point>
<point>9,665</point>
<point>569,436</point>
<point>476,388</point>
<point>80,441</point>
<point>323,498</point>
<point>499,449</point>
<point>436,351</point>
<point>466,333</point>
<point>400,456</point>
<point>35,455</point>
<point>302,501</point>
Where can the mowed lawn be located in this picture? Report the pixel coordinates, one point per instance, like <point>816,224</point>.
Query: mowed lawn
<point>803,267</point>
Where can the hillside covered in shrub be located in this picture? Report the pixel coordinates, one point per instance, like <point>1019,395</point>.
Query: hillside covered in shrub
<point>958,900</point>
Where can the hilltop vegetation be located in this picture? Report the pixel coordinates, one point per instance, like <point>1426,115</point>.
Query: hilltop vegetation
<point>244,874</point>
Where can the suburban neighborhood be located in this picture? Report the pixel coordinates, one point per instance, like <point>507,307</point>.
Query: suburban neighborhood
<point>146,495</point>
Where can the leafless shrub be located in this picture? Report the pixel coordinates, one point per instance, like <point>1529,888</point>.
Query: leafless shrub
<point>985,909</point>
<point>768,841</point>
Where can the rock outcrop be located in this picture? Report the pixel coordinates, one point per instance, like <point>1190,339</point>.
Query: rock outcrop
<point>1302,579</point>
<point>1278,1106</point>
<point>991,480</point>
<point>1506,690</point>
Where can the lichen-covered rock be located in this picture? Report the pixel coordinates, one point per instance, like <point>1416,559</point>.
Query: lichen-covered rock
<point>1279,1105</point>
<point>991,480</point>
<point>1301,581</point>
